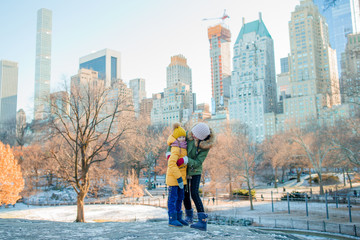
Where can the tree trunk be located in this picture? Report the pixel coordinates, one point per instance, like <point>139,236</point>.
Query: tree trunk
<point>310,178</point>
<point>321,184</point>
<point>80,207</point>
<point>283,174</point>
<point>230,190</point>
<point>50,179</point>
<point>36,179</point>
<point>149,184</point>
<point>344,177</point>
<point>299,175</point>
<point>275,180</point>
<point>155,170</point>
<point>250,195</point>
<point>348,175</point>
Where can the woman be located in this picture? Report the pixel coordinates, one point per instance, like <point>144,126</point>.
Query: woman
<point>199,141</point>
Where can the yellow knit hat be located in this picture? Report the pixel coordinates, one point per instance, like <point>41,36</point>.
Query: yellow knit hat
<point>178,131</point>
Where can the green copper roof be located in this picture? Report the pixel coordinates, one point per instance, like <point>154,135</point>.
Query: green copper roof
<point>257,26</point>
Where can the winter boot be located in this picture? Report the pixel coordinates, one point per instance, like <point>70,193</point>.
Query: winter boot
<point>173,220</point>
<point>179,218</point>
<point>189,216</point>
<point>201,224</point>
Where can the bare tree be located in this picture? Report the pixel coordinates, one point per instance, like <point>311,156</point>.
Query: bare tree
<point>86,126</point>
<point>317,146</point>
<point>276,151</point>
<point>155,146</point>
<point>222,166</point>
<point>247,153</point>
<point>346,136</point>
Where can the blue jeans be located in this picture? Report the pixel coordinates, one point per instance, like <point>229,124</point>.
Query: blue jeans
<point>175,198</point>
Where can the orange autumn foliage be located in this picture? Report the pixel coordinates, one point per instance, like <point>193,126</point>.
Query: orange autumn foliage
<point>11,180</point>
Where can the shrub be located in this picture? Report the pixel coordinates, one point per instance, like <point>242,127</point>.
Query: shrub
<point>327,179</point>
<point>242,192</point>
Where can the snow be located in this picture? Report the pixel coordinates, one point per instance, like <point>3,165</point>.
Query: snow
<point>107,222</point>
<point>145,222</point>
<point>93,213</point>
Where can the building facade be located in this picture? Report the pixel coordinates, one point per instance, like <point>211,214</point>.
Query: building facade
<point>106,62</point>
<point>60,103</point>
<point>342,18</point>
<point>175,104</point>
<point>351,73</point>
<point>8,93</point>
<point>314,83</point>
<point>86,83</point>
<point>253,83</point>
<point>284,64</point>
<point>145,108</point>
<point>202,113</point>
<point>220,39</point>
<point>138,90</point>
<point>42,63</point>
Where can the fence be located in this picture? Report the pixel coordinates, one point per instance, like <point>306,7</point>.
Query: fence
<point>287,213</point>
<point>309,225</point>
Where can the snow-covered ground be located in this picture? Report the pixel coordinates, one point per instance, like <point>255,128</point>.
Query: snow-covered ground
<point>115,222</point>
<point>146,222</point>
<point>93,213</point>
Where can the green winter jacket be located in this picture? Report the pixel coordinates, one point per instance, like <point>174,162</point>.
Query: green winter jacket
<point>197,156</point>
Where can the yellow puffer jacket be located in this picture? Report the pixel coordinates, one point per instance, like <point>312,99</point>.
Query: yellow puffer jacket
<point>174,171</point>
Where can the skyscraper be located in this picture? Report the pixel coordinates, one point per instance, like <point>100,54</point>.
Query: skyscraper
<point>313,61</point>
<point>138,89</point>
<point>342,18</point>
<point>351,73</point>
<point>314,83</point>
<point>106,62</point>
<point>176,103</point>
<point>43,63</point>
<point>219,38</point>
<point>284,62</point>
<point>253,84</point>
<point>8,94</point>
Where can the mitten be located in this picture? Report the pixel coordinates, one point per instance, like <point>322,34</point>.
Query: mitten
<point>180,182</point>
<point>182,161</point>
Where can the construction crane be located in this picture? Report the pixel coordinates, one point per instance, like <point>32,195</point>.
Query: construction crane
<point>224,16</point>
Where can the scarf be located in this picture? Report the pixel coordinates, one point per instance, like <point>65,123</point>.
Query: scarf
<point>179,144</point>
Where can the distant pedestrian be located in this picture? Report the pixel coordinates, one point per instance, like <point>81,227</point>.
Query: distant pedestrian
<point>213,199</point>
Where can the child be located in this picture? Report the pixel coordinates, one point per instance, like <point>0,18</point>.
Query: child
<point>176,175</point>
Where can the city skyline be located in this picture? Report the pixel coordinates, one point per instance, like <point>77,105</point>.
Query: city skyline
<point>139,30</point>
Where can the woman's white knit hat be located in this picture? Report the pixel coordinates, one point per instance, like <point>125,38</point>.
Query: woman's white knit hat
<point>201,131</point>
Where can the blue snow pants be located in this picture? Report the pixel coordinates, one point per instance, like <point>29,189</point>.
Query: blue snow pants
<point>175,198</point>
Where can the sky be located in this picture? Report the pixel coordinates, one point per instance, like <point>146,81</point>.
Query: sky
<point>146,33</point>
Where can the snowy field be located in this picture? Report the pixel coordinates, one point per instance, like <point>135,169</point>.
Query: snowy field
<point>114,222</point>
<point>93,213</point>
